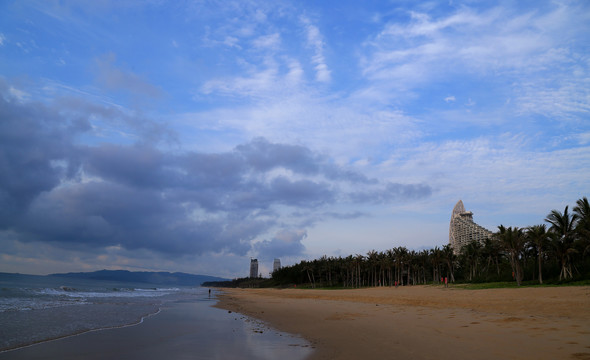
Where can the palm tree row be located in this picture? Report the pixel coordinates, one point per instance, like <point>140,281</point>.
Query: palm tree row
<point>559,249</point>
<point>397,266</point>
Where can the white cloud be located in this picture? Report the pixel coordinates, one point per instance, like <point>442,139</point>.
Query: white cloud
<point>562,96</point>
<point>2,39</point>
<point>422,25</point>
<point>498,42</point>
<point>271,41</point>
<point>316,42</point>
<point>258,84</point>
<point>583,138</point>
<point>450,99</point>
<point>295,75</point>
<point>231,41</point>
<point>307,118</point>
<point>20,95</point>
<point>274,80</point>
<point>508,172</point>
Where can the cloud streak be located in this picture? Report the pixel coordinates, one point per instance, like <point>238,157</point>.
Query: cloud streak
<point>316,43</point>
<point>487,43</point>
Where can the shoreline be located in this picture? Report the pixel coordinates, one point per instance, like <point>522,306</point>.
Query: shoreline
<point>426,322</point>
<point>188,328</point>
<point>57,338</point>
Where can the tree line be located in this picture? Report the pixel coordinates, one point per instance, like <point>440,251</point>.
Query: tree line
<point>557,250</point>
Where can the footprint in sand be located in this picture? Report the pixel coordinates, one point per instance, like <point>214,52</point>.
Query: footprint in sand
<point>581,356</point>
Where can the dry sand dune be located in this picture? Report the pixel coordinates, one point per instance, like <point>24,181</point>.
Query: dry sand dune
<point>427,322</point>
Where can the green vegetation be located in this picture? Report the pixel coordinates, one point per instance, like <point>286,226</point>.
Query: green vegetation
<point>541,255</point>
<point>241,283</point>
<point>512,284</point>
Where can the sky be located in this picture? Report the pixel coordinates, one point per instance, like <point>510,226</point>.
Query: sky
<point>194,135</point>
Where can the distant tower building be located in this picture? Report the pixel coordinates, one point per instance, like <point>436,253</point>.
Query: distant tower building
<point>276,265</point>
<point>463,230</point>
<point>253,268</point>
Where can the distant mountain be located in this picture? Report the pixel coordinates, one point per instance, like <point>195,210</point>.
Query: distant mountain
<point>155,278</point>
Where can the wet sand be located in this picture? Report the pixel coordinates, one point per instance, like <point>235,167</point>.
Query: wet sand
<point>187,330</point>
<point>427,322</point>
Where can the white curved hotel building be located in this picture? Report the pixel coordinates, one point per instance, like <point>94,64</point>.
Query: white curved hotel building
<point>464,230</point>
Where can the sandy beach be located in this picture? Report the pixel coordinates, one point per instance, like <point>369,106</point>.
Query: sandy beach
<point>427,322</point>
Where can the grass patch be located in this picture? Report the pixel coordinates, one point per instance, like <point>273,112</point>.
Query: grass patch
<point>490,285</point>
<point>512,284</point>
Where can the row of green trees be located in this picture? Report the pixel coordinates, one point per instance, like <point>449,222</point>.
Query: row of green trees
<point>558,249</point>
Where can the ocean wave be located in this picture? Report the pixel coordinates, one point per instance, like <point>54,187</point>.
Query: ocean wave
<point>26,304</point>
<point>115,292</point>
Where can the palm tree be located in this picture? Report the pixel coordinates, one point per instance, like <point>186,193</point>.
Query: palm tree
<point>538,236</point>
<point>385,268</point>
<point>390,255</point>
<point>513,241</point>
<point>562,223</point>
<point>436,257</point>
<point>471,254</point>
<point>423,260</point>
<point>308,268</point>
<point>492,251</point>
<point>582,211</point>
<point>563,250</point>
<point>411,263</point>
<point>562,226</point>
<point>400,254</point>
<point>449,257</point>
<point>372,258</point>
<point>358,261</point>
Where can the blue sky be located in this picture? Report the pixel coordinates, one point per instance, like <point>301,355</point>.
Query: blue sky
<point>193,135</point>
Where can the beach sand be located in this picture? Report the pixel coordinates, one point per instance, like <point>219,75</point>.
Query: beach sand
<point>427,322</point>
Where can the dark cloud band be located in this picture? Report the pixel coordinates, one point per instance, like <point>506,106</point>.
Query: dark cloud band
<point>55,189</point>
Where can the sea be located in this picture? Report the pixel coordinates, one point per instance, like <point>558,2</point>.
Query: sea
<point>45,311</point>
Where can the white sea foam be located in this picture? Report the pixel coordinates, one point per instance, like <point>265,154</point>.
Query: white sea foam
<point>24,299</point>
<point>34,309</point>
<point>25,304</point>
<point>118,293</point>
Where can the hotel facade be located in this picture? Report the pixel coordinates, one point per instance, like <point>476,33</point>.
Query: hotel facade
<point>463,230</point>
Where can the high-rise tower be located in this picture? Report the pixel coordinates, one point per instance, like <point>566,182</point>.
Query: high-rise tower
<point>253,268</point>
<point>464,230</point>
<point>276,265</point>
